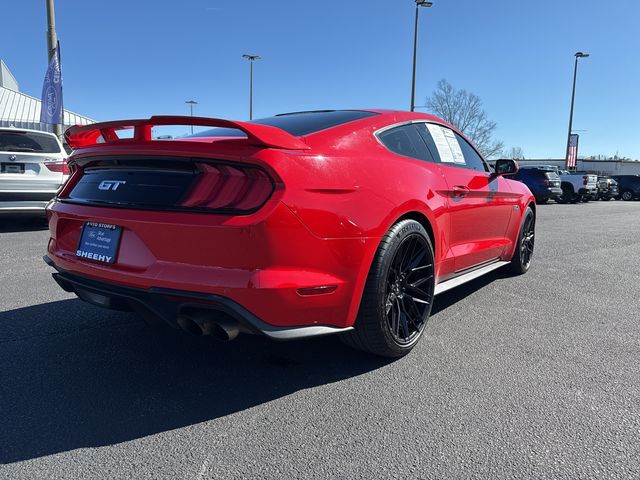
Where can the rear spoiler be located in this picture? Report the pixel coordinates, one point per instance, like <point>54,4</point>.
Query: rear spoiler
<point>95,134</point>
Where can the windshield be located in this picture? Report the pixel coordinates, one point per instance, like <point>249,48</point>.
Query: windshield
<point>28,142</point>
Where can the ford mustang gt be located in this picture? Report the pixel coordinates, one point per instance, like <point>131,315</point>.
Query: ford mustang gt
<point>302,224</point>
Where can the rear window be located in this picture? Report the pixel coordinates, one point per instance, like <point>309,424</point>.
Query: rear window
<point>297,124</point>
<point>28,142</point>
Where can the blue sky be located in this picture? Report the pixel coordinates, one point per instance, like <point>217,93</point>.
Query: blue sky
<point>127,59</point>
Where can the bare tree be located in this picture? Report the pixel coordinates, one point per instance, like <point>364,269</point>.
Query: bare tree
<point>515,153</point>
<point>464,110</point>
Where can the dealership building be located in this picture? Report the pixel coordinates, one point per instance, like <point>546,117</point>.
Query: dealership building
<point>20,110</point>
<point>604,167</point>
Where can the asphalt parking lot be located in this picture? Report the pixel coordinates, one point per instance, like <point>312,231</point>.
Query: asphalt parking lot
<point>530,377</point>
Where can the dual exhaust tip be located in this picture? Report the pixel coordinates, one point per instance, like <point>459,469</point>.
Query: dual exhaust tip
<point>209,323</point>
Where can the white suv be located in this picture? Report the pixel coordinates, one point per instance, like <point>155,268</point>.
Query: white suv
<point>33,167</point>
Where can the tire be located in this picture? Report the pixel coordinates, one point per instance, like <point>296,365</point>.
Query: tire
<point>521,261</point>
<point>586,199</point>
<point>398,294</point>
<point>541,201</point>
<point>627,195</point>
<point>567,195</point>
<point>606,199</point>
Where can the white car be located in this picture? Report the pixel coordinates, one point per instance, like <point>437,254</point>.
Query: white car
<point>33,167</point>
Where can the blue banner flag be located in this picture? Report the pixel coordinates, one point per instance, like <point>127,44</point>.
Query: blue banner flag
<point>51,111</point>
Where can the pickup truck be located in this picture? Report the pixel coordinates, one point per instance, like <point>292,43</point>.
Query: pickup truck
<point>607,188</point>
<point>578,186</point>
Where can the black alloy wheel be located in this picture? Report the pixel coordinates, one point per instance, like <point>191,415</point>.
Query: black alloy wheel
<point>409,289</point>
<point>567,195</point>
<point>398,294</point>
<point>523,254</point>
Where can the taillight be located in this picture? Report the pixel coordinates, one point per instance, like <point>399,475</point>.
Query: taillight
<point>585,179</point>
<point>229,187</point>
<point>58,166</point>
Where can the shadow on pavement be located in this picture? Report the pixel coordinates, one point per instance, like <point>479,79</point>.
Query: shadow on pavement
<point>74,376</point>
<point>22,223</point>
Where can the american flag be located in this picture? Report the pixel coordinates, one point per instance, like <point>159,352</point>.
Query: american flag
<point>572,153</point>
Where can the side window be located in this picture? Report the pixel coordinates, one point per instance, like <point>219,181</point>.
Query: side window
<point>471,157</point>
<point>450,148</point>
<point>405,140</point>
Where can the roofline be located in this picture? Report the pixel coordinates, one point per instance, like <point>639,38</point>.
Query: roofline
<point>580,159</point>
<point>31,130</point>
<point>8,70</point>
<point>40,101</point>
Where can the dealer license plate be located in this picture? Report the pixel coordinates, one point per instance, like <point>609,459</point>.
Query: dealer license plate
<point>99,242</point>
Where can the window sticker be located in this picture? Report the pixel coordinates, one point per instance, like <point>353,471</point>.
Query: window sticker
<point>444,150</point>
<point>456,151</point>
<point>447,144</point>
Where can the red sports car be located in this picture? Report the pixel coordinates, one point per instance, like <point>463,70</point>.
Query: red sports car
<point>302,224</point>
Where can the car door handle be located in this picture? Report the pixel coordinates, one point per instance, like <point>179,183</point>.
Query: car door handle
<point>459,191</point>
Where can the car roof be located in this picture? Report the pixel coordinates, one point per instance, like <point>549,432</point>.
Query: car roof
<point>382,114</point>
<point>371,117</point>
<point>540,167</point>
<point>385,118</point>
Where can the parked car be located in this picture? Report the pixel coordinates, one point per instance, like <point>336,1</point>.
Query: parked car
<point>578,186</point>
<point>607,188</point>
<point>302,224</point>
<point>543,181</point>
<point>628,186</point>
<point>32,169</point>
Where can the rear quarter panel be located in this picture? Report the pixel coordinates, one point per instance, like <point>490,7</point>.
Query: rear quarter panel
<point>356,188</point>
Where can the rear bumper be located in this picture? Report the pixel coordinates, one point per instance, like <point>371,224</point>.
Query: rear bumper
<point>268,263</point>
<point>608,193</point>
<point>549,192</point>
<point>22,207</point>
<point>27,196</point>
<point>25,201</point>
<point>168,304</point>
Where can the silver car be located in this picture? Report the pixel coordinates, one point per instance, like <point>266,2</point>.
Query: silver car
<point>33,167</point>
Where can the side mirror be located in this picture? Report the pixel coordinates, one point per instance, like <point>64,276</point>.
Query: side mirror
<point>506,167</point>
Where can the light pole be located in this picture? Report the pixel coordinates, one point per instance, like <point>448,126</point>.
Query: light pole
<point>52,43</point>
<point>251,58</point>
<point>573,96</point>
<point>419,3</point>
<point>191,103</point>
